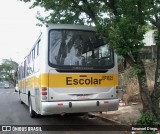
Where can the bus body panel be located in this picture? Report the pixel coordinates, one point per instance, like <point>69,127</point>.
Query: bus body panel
<point>84,106</point>
<point>88,86</point>
<point>67,92</point>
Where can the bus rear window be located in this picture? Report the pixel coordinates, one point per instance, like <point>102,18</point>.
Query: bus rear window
<point>78,48</point>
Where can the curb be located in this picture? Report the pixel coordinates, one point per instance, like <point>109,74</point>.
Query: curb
<point>126,128</point>
<point>113,122</point>
<point>105,119</point>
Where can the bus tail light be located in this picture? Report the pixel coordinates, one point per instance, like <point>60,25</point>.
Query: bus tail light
<point>60,104</point>
<point>44,93</point>
<point>44,89</point>
<point>106,102</point>
<point>117,91</point>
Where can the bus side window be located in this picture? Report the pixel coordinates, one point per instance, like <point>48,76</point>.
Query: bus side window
<point>24,73</point>
<point>33,53</point>
<point>29,64</point>
<point>36,60</point>
<point>38,47</point>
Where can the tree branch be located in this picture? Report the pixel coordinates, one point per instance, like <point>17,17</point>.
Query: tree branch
<point>77,6</point>
<point>111,4</point>
<point>139,10</point>
<point>89,11</point>
<point>154,22</point>
<point>129,60</point>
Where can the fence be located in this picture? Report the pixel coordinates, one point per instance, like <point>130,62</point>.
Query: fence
<point>149,52</point>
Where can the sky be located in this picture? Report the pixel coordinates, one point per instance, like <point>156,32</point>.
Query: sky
<point>18,30</point>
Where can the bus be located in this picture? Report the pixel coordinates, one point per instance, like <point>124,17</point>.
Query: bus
<point>69,69</point>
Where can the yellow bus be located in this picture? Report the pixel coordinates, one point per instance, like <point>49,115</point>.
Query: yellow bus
<point>69,69</point>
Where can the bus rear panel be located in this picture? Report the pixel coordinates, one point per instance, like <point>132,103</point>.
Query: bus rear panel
<point>70,69</point>
<point>77,93</point>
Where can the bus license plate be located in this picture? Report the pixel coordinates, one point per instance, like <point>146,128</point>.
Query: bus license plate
<point>82,96</point>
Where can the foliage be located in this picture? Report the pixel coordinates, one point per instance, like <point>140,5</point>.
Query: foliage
<point>8,70</point>
<point>152,12</point>
<point>148,119</point>
<point>127,37</point>
<point>122,22</point>
<point>152,15</point>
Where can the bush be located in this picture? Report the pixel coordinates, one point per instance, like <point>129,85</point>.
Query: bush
<point>148,120</point>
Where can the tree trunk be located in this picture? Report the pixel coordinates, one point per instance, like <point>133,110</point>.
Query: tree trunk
<point>144,92</point>
<point>155,96</point>
<point>143,87</point>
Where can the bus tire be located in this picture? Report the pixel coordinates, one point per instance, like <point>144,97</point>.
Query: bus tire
<point>32,113</point>
<point>20,99</point>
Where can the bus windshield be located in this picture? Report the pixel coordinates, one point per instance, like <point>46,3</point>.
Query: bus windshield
<point>78,48</point>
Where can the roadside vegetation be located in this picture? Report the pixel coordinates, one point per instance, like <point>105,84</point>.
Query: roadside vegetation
<point>129,81</point>
<point>8,71</point>
<point>131,95</point>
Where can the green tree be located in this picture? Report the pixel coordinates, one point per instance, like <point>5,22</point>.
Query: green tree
<point>152,15</point>
<point>8,69</point>
<point>121,21</point>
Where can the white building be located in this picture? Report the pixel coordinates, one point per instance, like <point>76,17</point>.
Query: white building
<point>149,50</point>
<point>149,38</point>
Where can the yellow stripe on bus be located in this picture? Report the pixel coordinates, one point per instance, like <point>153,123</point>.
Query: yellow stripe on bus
<point>82,80</point>
<point>70,80</point>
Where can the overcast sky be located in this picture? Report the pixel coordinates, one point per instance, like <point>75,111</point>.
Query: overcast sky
<point>18,30</point>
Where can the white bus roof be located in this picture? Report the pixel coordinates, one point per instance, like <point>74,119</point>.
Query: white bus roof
<point>70,26</point>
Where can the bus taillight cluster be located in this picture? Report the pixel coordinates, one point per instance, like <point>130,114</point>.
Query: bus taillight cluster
<point>44,93</point>
<point>117,87</point>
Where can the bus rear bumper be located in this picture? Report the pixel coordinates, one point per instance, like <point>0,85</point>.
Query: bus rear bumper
<point>62,107</point>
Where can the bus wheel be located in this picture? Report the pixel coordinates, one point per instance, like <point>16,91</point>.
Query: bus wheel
<point>32,113</point>
<point>20,99</point>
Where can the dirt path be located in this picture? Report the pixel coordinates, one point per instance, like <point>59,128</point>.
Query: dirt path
<point>125,114</point>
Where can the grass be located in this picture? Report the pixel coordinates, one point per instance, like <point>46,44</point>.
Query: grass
<point>129,82</point>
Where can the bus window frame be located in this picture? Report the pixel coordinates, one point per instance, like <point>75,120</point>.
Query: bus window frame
<point>69,67</point>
